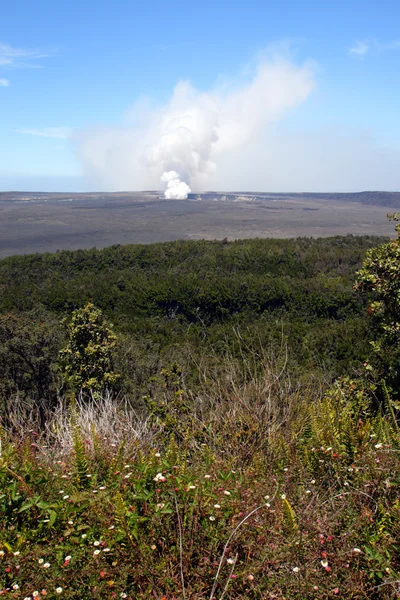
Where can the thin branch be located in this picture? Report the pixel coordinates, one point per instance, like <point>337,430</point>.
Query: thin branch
<point>230,538</point>
<point>180,545</point>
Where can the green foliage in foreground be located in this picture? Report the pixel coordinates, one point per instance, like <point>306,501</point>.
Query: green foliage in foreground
<point>301,505</point>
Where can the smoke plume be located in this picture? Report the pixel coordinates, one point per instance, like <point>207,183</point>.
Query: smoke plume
<point>182,142</point>
<point>176,189</point>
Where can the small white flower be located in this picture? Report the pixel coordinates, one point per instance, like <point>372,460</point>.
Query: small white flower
<point>192,487</point>
<point>123,595</point>
<point>207,476</point>
<point>17,553</point>
<point>84,535</point>
<point>67,558</point>
<point>96,543</point>
<point>283,496</point>
<point>266,497</point>
<point>268,505</point>
<point>286,469</point>
<point>46,565</point>
<point>1,552</point>
<point>35,593</point>
<point>59,590</point>
<point>324,563</point>
<point>308,491</point>
<point>88,475</point>
<point>377,446</point>
<point>159,477</point>
<point>106,549</point>
<point>96,552</point>
<point>212,518</point>
<point>157,455</point>
<point>27,598</point>
<point>127,475</point>
<point>70,522</point>
<point>65,497</point>
<point>227,493</point>
<point>15,586</point>
<point>356,551</point>
<point>230,561</point>
<point>217,506</point>
<point>295,569</point>
<point>102,487</point>
<point>112,527</point>
<point>61,492</point>
<point>160,505</point>
<point>40,561</point>
<point>312,481</point>
<point>127,467</point>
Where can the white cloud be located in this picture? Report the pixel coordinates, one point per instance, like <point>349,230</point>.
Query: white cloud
<point>194,130</point>
<point>360,49</point>
<point>62,133</point>
<point>387,46</point>
<point>20,57</point>
<point>4,82</point>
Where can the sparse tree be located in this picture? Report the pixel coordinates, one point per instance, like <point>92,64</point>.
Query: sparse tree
<point>380,278</point>
<point>86,362</point>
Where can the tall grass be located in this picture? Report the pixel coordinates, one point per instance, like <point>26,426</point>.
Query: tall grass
<point>258,484</point>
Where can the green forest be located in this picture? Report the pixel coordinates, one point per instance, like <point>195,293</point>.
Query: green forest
<point>202,420</point>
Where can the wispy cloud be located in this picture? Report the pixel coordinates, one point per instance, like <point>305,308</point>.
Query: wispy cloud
<point>4,82</point>
<point>360,49</point>
<point>60,133</point>
<point>20,57</point>
<point>387,46</point>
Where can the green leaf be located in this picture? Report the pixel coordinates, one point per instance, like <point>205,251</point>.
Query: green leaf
<point>52,517</point>
<point>26,506</point>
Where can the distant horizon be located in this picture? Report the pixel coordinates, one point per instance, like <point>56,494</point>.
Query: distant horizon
<point>211,191</point>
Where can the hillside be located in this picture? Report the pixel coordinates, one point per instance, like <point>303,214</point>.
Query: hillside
<point>200,420</point>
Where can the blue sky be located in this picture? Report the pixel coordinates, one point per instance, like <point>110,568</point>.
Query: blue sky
<point>71,74</point>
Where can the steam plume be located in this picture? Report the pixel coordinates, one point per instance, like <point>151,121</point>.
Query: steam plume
<point>176,189</point>
<point>182,142</point>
